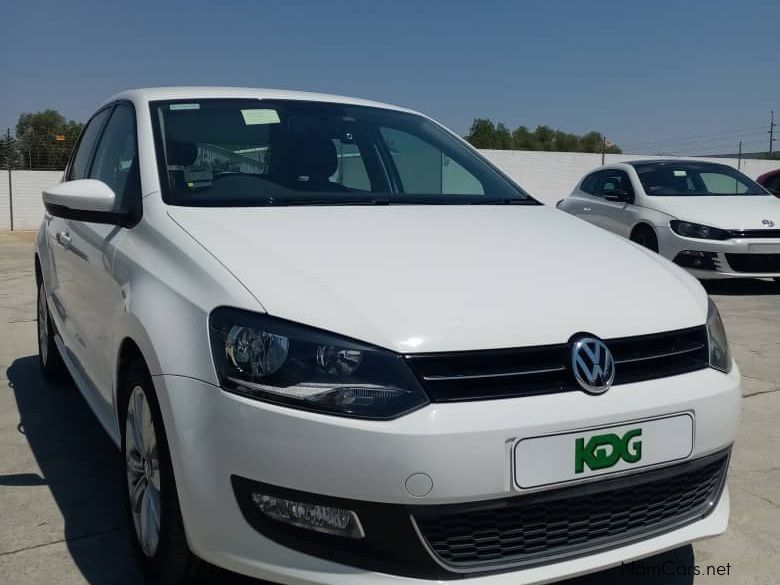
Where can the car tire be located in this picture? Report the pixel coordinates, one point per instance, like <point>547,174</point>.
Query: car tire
<point>156,525</point>
<point>49,356</point>
<point>645,236</point>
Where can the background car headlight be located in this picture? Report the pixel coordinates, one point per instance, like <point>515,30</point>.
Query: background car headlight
<point>720,357</point>
<point>287,363</point>
<point>695,230</point>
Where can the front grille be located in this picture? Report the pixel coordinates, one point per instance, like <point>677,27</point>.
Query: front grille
<point>754,262</point>
<point>563,523</point>
<point>526,371</point>
<point>754,233</point>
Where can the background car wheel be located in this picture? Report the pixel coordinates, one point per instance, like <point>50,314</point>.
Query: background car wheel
<point>152,501</point>
<point>645,236</point>
<point>48,354</point>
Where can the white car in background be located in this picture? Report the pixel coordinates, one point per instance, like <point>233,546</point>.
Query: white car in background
<point>707,217</point>
<point>335,345</point>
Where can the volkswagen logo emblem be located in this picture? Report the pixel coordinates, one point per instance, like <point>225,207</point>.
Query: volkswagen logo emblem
<point>768,223</point>
<point>592,364</point>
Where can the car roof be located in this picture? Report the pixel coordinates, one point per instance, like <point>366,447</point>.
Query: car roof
<point>149,94</point>
<point>668,161</point>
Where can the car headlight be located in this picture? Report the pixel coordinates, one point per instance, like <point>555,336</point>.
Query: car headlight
<point>720,357</point>
<point>695,230</point>
<point>279,361</point>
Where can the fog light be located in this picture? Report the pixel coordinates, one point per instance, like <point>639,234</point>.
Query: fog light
<point>325,519</point>
<point>696,259</point>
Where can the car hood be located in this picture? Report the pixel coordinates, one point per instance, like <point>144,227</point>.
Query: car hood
<point>445,278</point>
<point>739,212</point>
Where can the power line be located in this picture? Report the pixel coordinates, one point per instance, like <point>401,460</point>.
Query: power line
<point>682,139</point>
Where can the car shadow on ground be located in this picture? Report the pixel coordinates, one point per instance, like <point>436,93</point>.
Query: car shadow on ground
<point>742,287</point>
<point>83,470</point>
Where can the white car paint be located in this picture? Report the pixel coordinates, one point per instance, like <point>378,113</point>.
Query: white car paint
<point>724,212</point>
<point>409,279</point>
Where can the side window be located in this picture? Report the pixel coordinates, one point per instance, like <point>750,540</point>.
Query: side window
<point>589,183</point>
<point>80,162</point>
<point>612,181</point>
<point>351,170</point>
<point>116,157</point>
<point>424,169</point>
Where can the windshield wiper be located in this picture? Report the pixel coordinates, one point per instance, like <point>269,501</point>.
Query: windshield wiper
<point>328,201</point>
<point>503,201</point>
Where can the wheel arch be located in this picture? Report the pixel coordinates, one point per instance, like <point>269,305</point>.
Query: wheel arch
<point>642,225</point>
<point>134,344</point>
<point>38,271</point>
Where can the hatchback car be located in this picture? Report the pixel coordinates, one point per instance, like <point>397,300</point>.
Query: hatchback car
<point>707,217</point>
<point>335,345</point>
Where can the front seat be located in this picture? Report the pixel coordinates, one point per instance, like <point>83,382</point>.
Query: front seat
<point>313,159</point>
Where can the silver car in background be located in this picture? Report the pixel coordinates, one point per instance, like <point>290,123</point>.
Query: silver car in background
<point>706,217</point>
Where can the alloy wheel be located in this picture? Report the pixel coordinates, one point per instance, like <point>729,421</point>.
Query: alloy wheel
<point>143,471</point>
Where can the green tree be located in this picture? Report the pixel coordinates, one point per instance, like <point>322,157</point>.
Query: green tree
<point>484,133</point>
<point>502,138</point>
<point>45,139</point>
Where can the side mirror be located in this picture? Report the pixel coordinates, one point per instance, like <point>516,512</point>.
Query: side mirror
<point>619,195</point>
<point>85,200</point>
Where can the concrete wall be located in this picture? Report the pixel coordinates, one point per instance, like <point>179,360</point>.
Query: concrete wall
<point>26,187</point>
<point>549,176</point>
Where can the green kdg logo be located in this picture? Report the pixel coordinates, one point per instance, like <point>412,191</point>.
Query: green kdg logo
<point>603,451</point>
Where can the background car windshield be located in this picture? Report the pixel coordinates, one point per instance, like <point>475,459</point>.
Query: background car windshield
<point>258,152</point>
<point>682,179</point>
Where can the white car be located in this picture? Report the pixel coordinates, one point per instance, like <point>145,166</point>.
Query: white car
<point>707,217</point>
<point>335,345</point>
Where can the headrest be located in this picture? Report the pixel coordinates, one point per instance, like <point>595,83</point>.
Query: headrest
<point>314,157</point>
<point>181,154</point>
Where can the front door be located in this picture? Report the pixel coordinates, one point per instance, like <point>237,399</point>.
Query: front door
<point>96,298</point>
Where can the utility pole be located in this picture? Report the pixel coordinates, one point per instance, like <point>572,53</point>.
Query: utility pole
<point>603,149</point>
<point>10,188</point>
<point>772,125</point>
<point>739,156</point>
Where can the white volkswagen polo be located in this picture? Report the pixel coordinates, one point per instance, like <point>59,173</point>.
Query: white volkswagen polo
<point>335,345</point>
<point>707,217</point>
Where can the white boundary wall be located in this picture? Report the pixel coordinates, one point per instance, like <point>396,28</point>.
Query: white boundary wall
<point>28,206</point>
<point>549,176</point>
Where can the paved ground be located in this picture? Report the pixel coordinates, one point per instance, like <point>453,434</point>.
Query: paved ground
<point>61,519</point>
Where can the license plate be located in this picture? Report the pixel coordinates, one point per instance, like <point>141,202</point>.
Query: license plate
<point>572,456</point>
<point>764,248</point>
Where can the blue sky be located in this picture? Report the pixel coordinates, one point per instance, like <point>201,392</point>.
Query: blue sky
<point>662,76</point>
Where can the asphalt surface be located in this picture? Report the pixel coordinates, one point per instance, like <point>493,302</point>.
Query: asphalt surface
<point>61,515</point>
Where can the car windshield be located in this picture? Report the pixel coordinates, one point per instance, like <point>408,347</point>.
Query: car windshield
<point>679,179</point>
<point>238,152</point>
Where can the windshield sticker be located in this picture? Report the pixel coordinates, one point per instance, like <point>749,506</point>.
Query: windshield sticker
<point>185,106</point>
<point>680,173</point>
<point>260,116</point>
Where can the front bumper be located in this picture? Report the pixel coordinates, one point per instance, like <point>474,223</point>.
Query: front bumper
<point>463,447</point>
<point>735,258</point>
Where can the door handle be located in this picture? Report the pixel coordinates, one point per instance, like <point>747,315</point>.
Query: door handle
<point>586,209</point>
<point>63,238</point>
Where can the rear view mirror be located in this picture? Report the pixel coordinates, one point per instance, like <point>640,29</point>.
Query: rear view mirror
<point>85,200</point>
